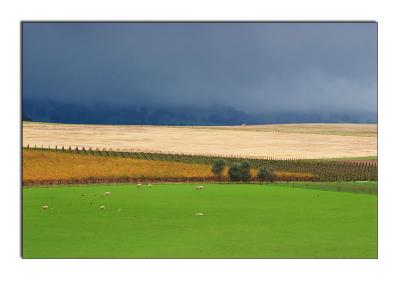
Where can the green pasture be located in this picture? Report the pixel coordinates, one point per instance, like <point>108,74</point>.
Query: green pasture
<point>240,221</point>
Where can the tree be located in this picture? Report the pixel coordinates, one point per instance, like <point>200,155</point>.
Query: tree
<point>245,171</point>
<point>218,168</point>
<point>263,174</point>
<point>234,172</point>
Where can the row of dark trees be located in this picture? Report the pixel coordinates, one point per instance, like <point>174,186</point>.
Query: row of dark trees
<point>240,172</point>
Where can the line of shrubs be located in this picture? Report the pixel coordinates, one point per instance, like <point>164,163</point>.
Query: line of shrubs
<point>241,172</point>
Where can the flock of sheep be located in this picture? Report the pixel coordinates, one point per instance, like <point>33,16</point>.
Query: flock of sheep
<point>108,193</point>
<point>139,184</point>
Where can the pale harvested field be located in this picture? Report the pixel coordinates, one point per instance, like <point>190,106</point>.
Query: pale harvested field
<point>281,141</point>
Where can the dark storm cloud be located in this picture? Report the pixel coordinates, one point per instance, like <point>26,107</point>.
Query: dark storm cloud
<point>253,67</point>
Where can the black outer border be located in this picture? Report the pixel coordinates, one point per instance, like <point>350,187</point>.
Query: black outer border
<point>189,21</point>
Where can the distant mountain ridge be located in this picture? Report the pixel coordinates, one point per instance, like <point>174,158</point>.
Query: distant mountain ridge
<point>74,113</point>
<point>25,117</point>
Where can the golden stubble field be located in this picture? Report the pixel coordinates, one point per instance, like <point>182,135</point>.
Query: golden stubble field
<point>308,141</point>
<point>45,165</point>
<point>51,165</point>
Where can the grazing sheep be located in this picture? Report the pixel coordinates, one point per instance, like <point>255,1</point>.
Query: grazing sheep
<point>149,185</point>
<point>199,187</point>
<point>102,207</point>
<point>45,207</point>
<point>199,214</point>
<point>138,184</point>
<point>107,193</point>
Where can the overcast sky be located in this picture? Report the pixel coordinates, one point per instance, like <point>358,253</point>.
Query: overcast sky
<point>254,67</point>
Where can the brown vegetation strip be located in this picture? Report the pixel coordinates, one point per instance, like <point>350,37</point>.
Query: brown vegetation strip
<point>43,165</point>
<point>51,167</point>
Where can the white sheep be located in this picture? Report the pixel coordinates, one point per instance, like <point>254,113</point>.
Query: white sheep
<point>149,185</point>
<point>199,214</point>
<point>107,193</point>
<point>138,184</point>
<point>199,187</point>
<point>102,207</point>
<point>45,207</point>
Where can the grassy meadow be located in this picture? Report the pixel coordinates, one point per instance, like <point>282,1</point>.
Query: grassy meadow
<point>239,221</point>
